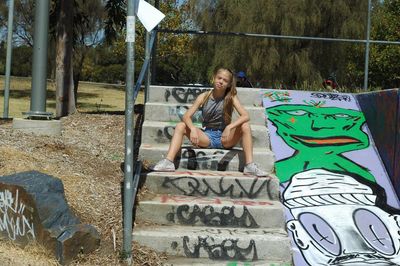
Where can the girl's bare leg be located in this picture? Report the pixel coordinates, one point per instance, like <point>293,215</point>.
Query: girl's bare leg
<point>182,130</point>
<point>243,132</point>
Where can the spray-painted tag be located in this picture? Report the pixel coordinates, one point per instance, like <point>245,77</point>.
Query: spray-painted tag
<point>130,28</point>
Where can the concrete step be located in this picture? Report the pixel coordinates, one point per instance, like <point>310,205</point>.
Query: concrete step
<point>186,94</point>
<point>173,112</point>
<point>216,243</point>
<point>213,184</point>
<point>208,159</point>
<point>201,262</point>
<point>161,132</point>
<point>206,211</point>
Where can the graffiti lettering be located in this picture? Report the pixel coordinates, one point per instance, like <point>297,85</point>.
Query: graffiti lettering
<point>192,159</point>
<point>194,186</point>
<point>232,232</point>
<point>176,113</point>
<point>228,249</point>
<point>182,95</point>
<point>165,133</point>
<point>12,218</point>
<point>202,173</point>
<point>278,96</point>
<point>331,96</point>
<point>201,200</point>
<point>210,217</point>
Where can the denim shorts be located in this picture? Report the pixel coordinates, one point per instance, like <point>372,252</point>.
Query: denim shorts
<point>214,135</point>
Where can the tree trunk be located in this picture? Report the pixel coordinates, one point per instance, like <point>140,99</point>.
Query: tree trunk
<point>65,100</point>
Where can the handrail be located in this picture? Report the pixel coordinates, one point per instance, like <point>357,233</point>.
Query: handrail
<point>144,67</point>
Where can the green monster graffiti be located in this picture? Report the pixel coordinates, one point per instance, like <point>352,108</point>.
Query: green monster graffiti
<point>319,136</point>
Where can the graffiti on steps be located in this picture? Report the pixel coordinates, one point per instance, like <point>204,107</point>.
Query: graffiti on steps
<point>204,173</point>
<point>219,160</point>
<point>204,200</point>
<point>184,95</point>
<point>13,219</point>
<point>176,114</point>
<point>191,186</point>
<point>233,231</point>
<point>331,96</point>
<point>227,249</point>
<point>165,134</point>
<point>236,263</point>
<point>207,215</point>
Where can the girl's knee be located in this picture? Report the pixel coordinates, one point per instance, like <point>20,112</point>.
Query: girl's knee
<point>180,127</point>
<point>245,127</point>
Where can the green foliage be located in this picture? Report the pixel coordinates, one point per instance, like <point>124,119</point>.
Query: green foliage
<point>383,59</point>
<point>270,61</point>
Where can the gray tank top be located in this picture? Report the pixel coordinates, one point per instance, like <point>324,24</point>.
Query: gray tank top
<point>212,112</point>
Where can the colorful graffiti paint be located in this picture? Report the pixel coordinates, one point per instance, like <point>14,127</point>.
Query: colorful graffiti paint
<point>341,207</point>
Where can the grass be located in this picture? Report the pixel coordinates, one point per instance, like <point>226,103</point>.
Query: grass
<point>92,97</point>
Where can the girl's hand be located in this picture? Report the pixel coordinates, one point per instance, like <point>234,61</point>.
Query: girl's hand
<point>226,134</point>
<point>194,138</point>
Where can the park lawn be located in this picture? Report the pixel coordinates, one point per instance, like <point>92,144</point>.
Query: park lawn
<point>92,97</point>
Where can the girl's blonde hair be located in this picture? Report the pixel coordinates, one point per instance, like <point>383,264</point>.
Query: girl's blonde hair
<point>229,94</point>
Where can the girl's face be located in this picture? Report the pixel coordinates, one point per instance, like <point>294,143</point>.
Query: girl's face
<point>222,80</point>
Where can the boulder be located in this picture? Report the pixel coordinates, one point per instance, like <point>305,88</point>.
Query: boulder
<point>33,208</point>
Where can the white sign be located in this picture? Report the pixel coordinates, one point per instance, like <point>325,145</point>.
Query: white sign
<point>149,15</point>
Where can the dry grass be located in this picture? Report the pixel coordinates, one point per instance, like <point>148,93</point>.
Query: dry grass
<point>92,97</point>
<point>86,158</point>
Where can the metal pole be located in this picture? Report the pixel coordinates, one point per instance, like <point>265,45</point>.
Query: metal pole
<point>148,73</point>
<point>367,46</point>
<point>8,58</point>
<point>129,130</point>
<point>39,65</point>
<point>154,51</point>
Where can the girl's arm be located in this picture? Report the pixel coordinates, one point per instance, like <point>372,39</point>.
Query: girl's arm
<point>187,117</point>
<point>244,115</point>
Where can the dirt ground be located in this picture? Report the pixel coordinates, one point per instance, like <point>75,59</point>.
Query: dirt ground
<point>87,158</point>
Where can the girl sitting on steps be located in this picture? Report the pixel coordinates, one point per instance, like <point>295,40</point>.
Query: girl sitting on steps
<point>219,131</point>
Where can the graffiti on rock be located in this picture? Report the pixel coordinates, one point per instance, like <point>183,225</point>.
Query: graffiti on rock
<point>207,215</point>
<point>13,216</point>
<point>191,186</point>
<point>227,249</point>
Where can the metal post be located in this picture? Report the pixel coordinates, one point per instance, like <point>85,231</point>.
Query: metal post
<point>129,130</point>
<point>8,58</point>
<point>366,67</point>
<point>154,51</point>
<point>39,65</point>
<point>148,73</point>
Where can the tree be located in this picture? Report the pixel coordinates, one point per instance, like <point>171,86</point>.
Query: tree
<point>271,61</point>
<point>171,50</point>
<point>65,97</point>
<point>384,67</point>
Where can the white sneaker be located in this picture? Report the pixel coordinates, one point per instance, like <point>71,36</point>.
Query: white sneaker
<point>164,165</point>
<point>252,169</point>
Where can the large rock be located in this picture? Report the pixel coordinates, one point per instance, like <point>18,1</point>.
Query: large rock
<point>33,208</point>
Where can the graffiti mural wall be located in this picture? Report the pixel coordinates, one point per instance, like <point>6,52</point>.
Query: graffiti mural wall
<point>341,207</point>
